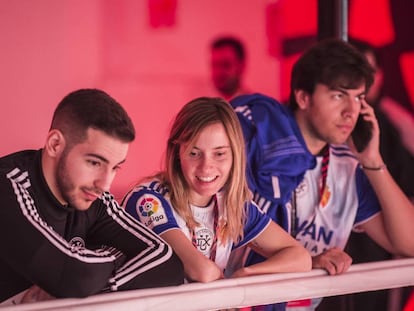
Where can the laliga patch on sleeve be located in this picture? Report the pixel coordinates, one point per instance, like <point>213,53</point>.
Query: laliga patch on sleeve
<point>150,211</point>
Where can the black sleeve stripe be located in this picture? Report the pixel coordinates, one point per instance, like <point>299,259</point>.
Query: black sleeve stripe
<point>155,254</point>
<point>129,223</point>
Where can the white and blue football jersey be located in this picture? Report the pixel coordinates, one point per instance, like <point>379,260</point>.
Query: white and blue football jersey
<point>150,204</point>
<point>348,200</point>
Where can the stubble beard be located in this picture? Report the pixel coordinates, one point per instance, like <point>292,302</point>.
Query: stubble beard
<point>64,183</point>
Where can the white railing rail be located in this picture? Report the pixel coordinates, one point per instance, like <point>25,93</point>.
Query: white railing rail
<point>255,290</point>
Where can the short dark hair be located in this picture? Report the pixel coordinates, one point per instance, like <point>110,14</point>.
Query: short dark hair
<point>332,62</point>
<point>92,108</point>
<point>365,47</point>
<point>232,42</point>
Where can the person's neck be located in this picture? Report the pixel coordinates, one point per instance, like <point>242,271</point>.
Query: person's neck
<point>314,145</point>
<point>48,170</point>
<point>202,203</point>
<point>229,94</point>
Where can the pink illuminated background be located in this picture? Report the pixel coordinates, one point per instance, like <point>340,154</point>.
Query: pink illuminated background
<point>152,56</point>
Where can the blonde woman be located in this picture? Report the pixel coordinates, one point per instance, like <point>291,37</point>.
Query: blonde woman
<point>201,205</point>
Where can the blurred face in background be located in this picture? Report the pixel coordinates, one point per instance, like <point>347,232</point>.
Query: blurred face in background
<point>226,70</point>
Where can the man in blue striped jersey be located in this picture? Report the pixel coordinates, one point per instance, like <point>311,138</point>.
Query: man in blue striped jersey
<point>315,165</point>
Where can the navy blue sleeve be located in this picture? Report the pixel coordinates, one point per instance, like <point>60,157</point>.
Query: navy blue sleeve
<point>151,208</point>
<point>368,204</point>
<point>256,222</point>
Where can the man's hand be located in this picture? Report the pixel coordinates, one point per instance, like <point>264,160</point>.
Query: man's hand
<point>333,260</point>
<point>369,156</point>
<point>34,294</point>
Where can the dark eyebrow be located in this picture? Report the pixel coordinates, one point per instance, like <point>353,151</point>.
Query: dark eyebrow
<point>339,89</point>
<point>344,90</point>
<point>94,155</point>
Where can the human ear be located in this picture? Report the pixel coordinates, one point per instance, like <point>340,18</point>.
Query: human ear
<point>55,143</point>
<point>302,98</point>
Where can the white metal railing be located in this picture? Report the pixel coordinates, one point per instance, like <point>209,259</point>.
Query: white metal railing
<point>255,290</point>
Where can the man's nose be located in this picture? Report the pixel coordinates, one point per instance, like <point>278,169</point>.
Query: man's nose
<point>104,181</point>
<point>353,107</point>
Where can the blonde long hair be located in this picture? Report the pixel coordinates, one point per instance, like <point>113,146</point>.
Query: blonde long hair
<point>188,124</point>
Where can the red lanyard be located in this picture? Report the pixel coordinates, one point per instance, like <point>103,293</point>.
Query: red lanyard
<point>323,197</point>
<point>323,194</point>
<point>213,248</point>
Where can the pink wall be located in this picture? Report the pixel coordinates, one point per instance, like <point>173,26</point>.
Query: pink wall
<point>49,48</point>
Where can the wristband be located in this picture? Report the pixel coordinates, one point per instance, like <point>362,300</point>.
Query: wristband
<point>378,168</point>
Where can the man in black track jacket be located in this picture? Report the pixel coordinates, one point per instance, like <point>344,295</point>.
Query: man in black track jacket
<point>62,233</point>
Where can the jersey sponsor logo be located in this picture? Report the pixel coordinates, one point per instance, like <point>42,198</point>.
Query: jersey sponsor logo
<point>150,211</point>
<point>313,248</point>
<point>314,238</point>
<point>204,240</point>
<point>317,233</point>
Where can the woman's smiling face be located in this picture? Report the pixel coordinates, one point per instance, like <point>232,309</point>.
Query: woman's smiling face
<point>206,164</point>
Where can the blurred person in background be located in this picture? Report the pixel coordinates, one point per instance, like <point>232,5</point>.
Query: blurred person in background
<point>227,64</point>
